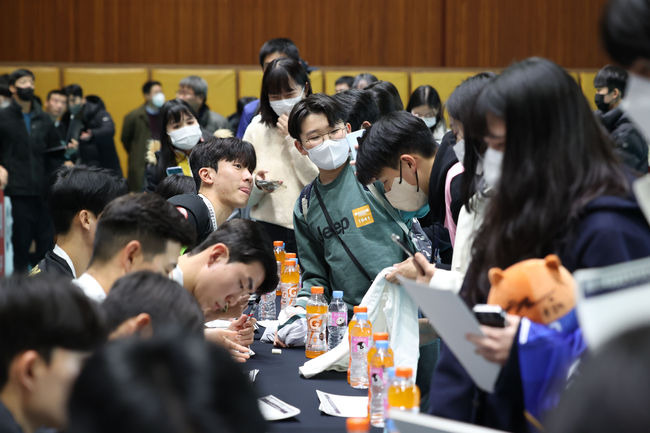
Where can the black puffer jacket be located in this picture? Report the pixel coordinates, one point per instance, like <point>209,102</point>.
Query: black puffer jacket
<point>631,147</point>
<point>29,157</point>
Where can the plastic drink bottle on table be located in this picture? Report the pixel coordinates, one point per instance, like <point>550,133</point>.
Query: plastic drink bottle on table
<point>316,343</point>
<point>404,394</point>
<point>337,320</point>
<point>356,309</point>
<point>389,425</point>
<point>278,251</point>
<point>380,360</point>
<point>360,340</point>
<point>289,281</point>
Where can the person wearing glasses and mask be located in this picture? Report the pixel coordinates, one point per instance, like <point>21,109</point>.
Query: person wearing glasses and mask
<point>284,84</point>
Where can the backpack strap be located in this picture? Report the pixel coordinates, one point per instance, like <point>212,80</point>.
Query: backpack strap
<point>304,198</point>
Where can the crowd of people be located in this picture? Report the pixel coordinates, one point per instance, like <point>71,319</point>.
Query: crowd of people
<point>102,324</point>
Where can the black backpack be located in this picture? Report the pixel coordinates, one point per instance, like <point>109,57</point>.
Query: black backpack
<point>194,210</point>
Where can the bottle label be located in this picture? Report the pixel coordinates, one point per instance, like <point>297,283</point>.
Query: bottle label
<point>316,331</point>
<point>377,377</point>
<point>289,293</point>
<point>338,318</point>
<point>359,344</point>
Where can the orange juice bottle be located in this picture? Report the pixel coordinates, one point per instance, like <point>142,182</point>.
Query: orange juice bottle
<point>289,282</point>
<point>403,393</point>
<point>356,309</point>
<point>316,343</point>
<point>278,251</point>
<point>377,336</point>
<point>360,339</point>
<point>378,363</point>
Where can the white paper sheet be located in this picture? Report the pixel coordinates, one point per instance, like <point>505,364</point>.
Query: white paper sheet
<point>345,406</point>
<point>451,318</point>
<point>273,408</point>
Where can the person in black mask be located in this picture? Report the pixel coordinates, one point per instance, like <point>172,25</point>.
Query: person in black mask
<point>631,147</point>
<point>30,148</point>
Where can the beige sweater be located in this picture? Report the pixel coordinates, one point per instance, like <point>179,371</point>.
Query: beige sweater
<point>278,155</point>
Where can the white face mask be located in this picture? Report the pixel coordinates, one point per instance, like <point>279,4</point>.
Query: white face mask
<point>429,121</point>
<point>459,150</point>
<point>404,196</point>
<point>637,102</point>
<point>185,138</point>
<point>158,99</point>
<point>353,142</point>
<point>330,154</point>
<point>284,106</point>
<point>492,167</point>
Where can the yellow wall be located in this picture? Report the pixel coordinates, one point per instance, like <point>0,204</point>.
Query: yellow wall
<point>47,78</point>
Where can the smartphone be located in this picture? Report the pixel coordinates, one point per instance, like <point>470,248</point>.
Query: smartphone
<point>268,185</point>
<point>395,238</point>
<point>490,315</point>
<point>174,170</point>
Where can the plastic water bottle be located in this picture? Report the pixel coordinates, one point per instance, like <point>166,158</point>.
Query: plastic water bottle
<point>380,360</point>
<point>389,425</point>
<point>316,343</point>
<point>357,425</point>
<point>289,282</point>
<point>267,306</point>
<point>404,394</point>
<point>360,339</point>
<point>356,309</point>
<point>278,251</point>
<point>337,320</point>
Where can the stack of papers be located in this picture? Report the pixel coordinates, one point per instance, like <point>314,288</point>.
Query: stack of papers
<point>345,406</point>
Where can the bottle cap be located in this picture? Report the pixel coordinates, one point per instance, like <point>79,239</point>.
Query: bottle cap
<point>357,424</point>
<point>317,290</point>
<point>382,344</point>
<point>337,294</point>
<point>380,336</point>
<point>404,372</point>
<point>390,371</point>
<point>278,243</point>
<point>361,315</point>
<point>360,309</point>
<point>289,263</point>
<point>295,261</point>
<point>290,255</point>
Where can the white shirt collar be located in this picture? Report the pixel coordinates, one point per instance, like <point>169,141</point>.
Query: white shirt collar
<point>91,287</point>
<point>61,253</point>
<point>177,275</point>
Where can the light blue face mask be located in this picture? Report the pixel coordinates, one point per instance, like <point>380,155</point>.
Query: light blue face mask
<point>420,213</point>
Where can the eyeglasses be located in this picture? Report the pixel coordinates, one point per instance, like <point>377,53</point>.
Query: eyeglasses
<point>334,134</point>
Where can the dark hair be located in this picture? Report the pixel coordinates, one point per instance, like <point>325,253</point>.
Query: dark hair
<point>18,74</point>
<point>318,103</point>
<point>535,205</point>
<point>170,383</point>
<point>55,92</point>
<point>210,152</point>
<point>171,111</point>
<point>146,87</point>
<point>364,76</point>
<point>279,45</point>
<point>276,80</point>
<point>625,30</point>
<point>427,95</point>
<point>73,90</point>
<point>176,184</point>
<point>621,364</point>
<point>242,102</point>
<point>386,96</point>
<point>147,218</point>
<point>78,188</point>
<point>611,77</point>
<point>345,79</point>
<point>460,107</point>
<point>4,85</point>
<point>164,300</point>
<point>42,313</point>
<point>391,136</point>
<point>359,106</point>
<point>247,243</point>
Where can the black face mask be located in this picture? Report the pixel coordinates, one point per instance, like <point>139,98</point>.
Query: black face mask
<point>25,93</point>
<point>600,103</point>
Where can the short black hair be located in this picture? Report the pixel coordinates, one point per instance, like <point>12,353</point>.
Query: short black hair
<point>170,383</point>
<point>242,102</point>
<point>625,30</point>
<point>209,153</point>
<point>55,92</point>
<point>276,79</point>
<point>4,85</point>
<point>80,187</point>
<point>345,79</point>
<point>73,90</point>
<point>166,302</point>
<point>391,136</point>
<point>279,45</point>
<point>247,243</point>
<point>42,313</point>
<point>146,87</point>
<point>612,77</point>
<point>318,103</point>
<point>360,107</point>
<point>364,76</point>
<point>386,96</point>
<point>176,184</point>
<point>18,74</point>
<point>147,218</point>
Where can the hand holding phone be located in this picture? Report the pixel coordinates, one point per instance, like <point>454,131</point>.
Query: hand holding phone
<point>490,315</point>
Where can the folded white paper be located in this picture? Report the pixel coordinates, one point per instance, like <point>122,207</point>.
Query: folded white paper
<point>345,406</point>
<point>451,318</point>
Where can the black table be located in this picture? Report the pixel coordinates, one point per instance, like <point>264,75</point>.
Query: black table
<point>278,375</point>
